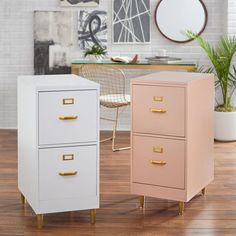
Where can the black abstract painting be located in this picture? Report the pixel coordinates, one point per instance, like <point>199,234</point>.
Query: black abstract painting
<point>52,42</point>
<point>92,29</point>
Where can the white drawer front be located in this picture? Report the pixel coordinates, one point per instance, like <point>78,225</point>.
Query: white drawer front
<point>68,117</point>
<point>80,173</point>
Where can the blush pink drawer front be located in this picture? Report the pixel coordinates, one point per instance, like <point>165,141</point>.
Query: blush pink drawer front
<point>158,110</point>
<point>158,161</point>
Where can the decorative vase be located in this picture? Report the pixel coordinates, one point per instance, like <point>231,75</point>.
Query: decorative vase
<point>225,126</point>
<point>94,58</point>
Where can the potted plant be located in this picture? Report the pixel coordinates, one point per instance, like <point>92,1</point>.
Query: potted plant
<point>95,53</point>
<point>221,58</point>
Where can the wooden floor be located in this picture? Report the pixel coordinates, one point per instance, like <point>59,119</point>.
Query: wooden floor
<point>120,214</point>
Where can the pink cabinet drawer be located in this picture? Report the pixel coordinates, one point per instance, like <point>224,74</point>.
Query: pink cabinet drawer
<point>158,161</point>
<point>158,110</point>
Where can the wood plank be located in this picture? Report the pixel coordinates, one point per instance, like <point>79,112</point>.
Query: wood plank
<point>214,214</point>
<point>76,67</point>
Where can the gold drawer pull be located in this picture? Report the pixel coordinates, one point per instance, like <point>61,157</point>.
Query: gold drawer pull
<point>68,173</point>
<point>68,117</point>
<point>157,99</point>
<point>68,101</point>
<point>157,149</point>
<point>155,110</point>
<point>157,162</point>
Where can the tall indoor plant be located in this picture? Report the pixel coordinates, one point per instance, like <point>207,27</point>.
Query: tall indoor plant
<point>221,57</point>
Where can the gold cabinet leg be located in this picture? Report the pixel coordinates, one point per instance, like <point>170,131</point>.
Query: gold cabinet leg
<point>22,197</point>
<point>204,191</point>
<point>93,216</point>
<point>40,221</point>
<point>181,208</point>
<point>141,201</point>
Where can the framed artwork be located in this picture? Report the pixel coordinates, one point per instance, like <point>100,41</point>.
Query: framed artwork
<point>92,29</point>
<point>52,42</point>
<point>131,21</point>
<point>79,3</point>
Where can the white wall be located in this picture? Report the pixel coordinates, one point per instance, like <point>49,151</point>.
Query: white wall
<point>16,45</point>
<point>231,17</point>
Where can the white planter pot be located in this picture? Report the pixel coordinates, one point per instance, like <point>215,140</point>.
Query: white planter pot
<point>225,126</point>
<point>93,58</point>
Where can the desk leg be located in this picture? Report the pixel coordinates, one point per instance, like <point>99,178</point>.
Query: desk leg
<point>75,70</point>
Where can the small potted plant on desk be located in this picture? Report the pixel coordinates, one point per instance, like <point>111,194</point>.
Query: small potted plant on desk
<point>221,58</point>
<point>95,53</point>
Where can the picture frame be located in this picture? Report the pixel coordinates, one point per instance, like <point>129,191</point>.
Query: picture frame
<point>123,26</point>
<point>53,40</point>
<point>92,29</point>
<point>79,3</point>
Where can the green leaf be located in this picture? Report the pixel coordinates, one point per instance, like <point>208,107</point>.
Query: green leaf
<point>221,58</point>
<point>95,50</point>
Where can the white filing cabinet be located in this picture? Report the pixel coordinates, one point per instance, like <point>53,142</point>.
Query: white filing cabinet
<point>58,143</point>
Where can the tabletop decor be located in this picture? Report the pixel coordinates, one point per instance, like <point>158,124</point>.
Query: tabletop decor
<point>95,53</point>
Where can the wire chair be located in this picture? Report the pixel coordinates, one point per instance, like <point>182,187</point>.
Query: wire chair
<point>112,92</point>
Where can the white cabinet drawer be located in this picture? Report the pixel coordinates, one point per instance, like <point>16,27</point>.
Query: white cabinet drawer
<point>67,117</point>
<point>69,172</point>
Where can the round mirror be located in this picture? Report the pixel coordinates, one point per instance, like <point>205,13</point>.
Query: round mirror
<point>174,17</point>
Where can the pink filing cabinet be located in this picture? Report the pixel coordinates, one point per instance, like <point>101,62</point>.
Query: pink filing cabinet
<point>172,135</point>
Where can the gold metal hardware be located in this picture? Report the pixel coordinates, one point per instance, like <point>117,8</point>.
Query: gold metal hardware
<point>68,173</point>
<point>68,157</point>
<point>68,101</point>
<point>141,201</point>
<point>93,216</point>
<point>155,110</point>
<point>181,208</point>
<point>157,99</point>
<point>23,200</point>
<point>158,162</point>
<point>158,149</point>
<point>68,117</point>
<point>40,221</point>
<point>204,191</point>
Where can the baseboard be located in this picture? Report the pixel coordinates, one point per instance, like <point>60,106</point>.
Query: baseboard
<point>11,128</point>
